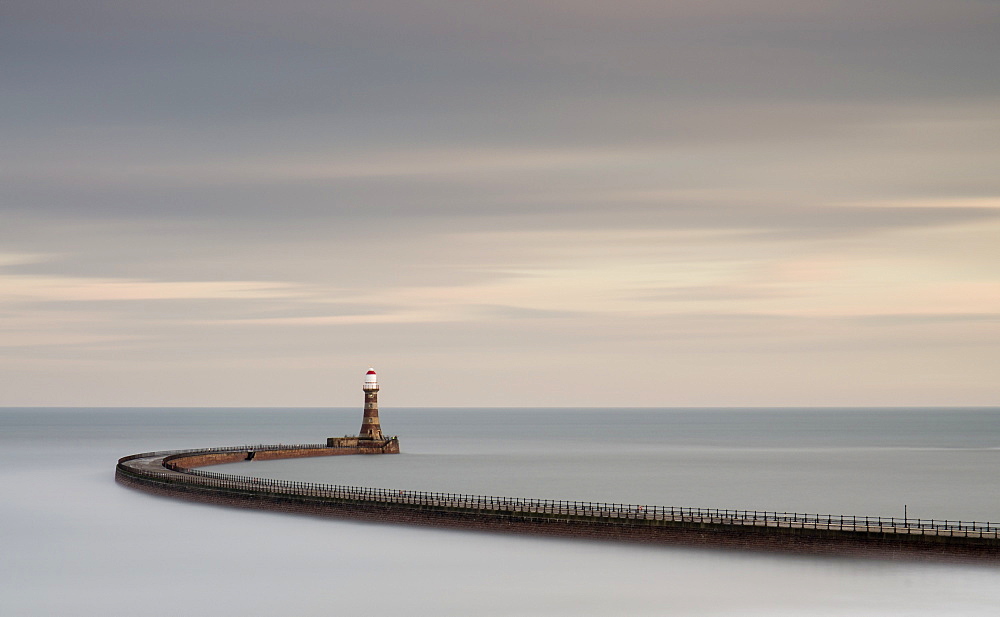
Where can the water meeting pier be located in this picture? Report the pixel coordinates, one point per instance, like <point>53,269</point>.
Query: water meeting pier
<point>179,474</point>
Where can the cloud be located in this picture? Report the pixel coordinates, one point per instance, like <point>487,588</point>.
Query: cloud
<point>59,289</point>
<point>18,259</point>
<point>242,184</point>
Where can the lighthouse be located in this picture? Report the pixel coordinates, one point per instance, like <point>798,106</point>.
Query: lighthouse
<point>370,427</point>
<point>370,439</point>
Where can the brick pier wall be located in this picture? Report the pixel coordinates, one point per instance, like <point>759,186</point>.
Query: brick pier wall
<point>842,543</point>
<point>190,461</point>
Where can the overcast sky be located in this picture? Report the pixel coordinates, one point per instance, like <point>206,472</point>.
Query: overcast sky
<point>545,202</point>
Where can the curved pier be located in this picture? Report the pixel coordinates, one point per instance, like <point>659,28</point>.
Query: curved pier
<point>174,474</point>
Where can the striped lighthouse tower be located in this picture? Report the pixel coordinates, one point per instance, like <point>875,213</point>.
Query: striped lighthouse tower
<point>370,427</point>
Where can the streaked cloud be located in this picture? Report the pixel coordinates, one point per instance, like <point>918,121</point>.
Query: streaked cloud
<point>766,202</point>
<point>58,289</point>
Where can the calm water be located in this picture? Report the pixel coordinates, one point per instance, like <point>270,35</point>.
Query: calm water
<point>73,542</point>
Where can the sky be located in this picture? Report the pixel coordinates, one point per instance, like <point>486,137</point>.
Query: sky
<point>544,203</point>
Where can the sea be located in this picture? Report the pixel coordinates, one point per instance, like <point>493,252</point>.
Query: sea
<point>73,542</point>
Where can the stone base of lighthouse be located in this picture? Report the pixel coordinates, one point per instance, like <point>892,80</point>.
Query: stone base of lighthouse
<point>365,446</point>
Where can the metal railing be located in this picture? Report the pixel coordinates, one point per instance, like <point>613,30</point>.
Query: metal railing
<point>247,448</point>
<point>581,510</point>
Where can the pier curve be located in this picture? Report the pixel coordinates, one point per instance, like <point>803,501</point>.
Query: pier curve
<point>177,474</point>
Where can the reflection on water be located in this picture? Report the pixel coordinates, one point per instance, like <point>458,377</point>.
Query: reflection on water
<point>76,543</point>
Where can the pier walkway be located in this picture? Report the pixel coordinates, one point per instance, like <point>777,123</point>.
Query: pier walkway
<point>176,472</point>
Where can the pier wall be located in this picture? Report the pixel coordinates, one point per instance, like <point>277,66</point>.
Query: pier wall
<point>371,505</point>
<point>191,461</point>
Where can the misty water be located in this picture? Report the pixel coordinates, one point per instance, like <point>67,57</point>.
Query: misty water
<point>74,542</point>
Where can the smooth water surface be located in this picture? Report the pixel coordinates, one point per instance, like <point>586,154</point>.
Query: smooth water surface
<point>74,542</point>
<point>940,464</point>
